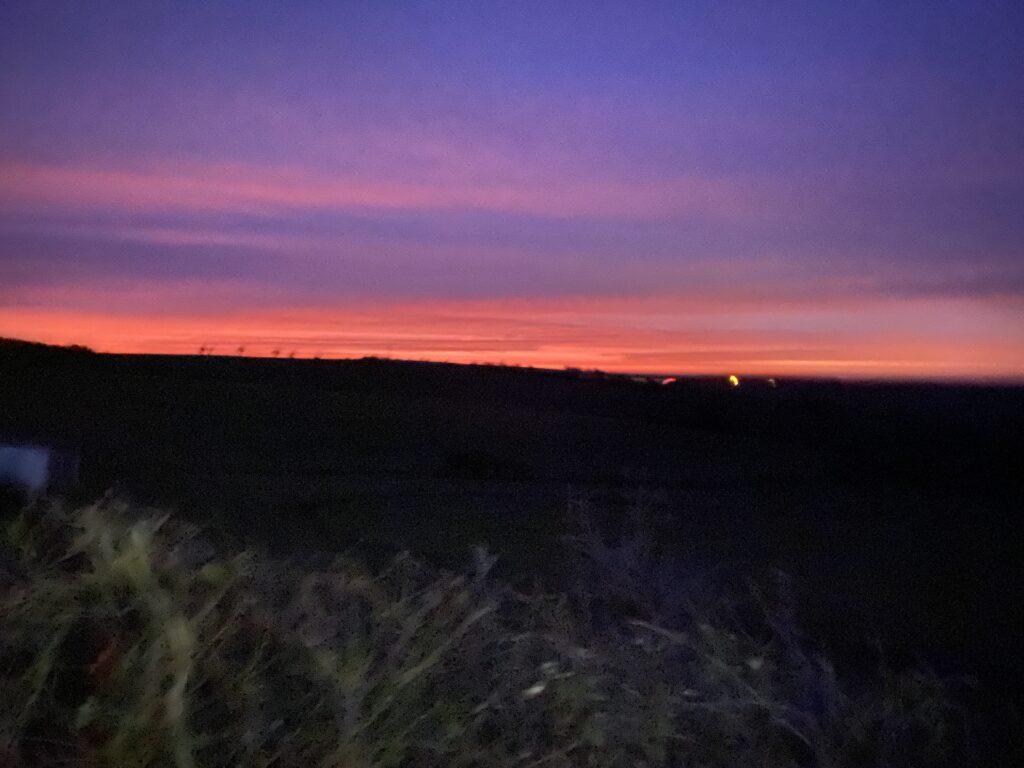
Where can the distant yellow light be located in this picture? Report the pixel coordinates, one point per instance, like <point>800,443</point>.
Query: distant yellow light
<point>734,380</point>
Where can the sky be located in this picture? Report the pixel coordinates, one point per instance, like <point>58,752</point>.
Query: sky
<point>770,188</point>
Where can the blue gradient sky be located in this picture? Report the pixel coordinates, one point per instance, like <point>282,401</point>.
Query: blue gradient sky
<point>831,188</point>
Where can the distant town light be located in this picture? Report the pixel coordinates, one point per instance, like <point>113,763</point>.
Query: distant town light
<point>734,380</point>
<point>669,380</point>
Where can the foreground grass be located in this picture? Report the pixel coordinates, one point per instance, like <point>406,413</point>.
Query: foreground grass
<point>127,640</point>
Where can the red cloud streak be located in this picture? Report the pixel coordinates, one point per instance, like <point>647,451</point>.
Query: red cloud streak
<point>626,335</point>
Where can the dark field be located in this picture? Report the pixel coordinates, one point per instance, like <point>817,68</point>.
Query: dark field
<point>896,508</point>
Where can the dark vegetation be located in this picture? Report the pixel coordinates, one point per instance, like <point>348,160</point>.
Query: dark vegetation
<point>895,510</point>
<point>128,641</point>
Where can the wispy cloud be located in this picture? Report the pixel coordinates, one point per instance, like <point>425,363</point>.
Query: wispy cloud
<point>565,183</point>
<point>883,338</point>
<point>237,188</point>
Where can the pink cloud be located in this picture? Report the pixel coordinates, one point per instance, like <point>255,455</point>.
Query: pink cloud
<point>194,187</point>
<point>588,332</point>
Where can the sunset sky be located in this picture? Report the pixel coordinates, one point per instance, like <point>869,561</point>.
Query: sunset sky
<point>830,188</point>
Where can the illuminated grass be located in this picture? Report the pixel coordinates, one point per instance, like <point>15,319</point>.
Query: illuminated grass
<point>125,640</point>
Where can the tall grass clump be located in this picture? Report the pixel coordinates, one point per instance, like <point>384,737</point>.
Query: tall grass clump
<point>126,639</point>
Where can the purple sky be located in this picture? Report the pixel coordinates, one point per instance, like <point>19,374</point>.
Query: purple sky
<point>835,187</point>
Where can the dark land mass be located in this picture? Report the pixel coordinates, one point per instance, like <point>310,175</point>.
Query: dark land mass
<point>896,508</point>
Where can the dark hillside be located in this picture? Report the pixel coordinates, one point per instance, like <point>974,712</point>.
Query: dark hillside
<point>896,507</point>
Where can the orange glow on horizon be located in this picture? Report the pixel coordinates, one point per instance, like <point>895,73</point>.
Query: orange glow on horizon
<point>630,336</point>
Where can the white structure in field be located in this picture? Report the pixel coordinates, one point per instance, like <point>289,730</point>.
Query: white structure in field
<point>37,468</point>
